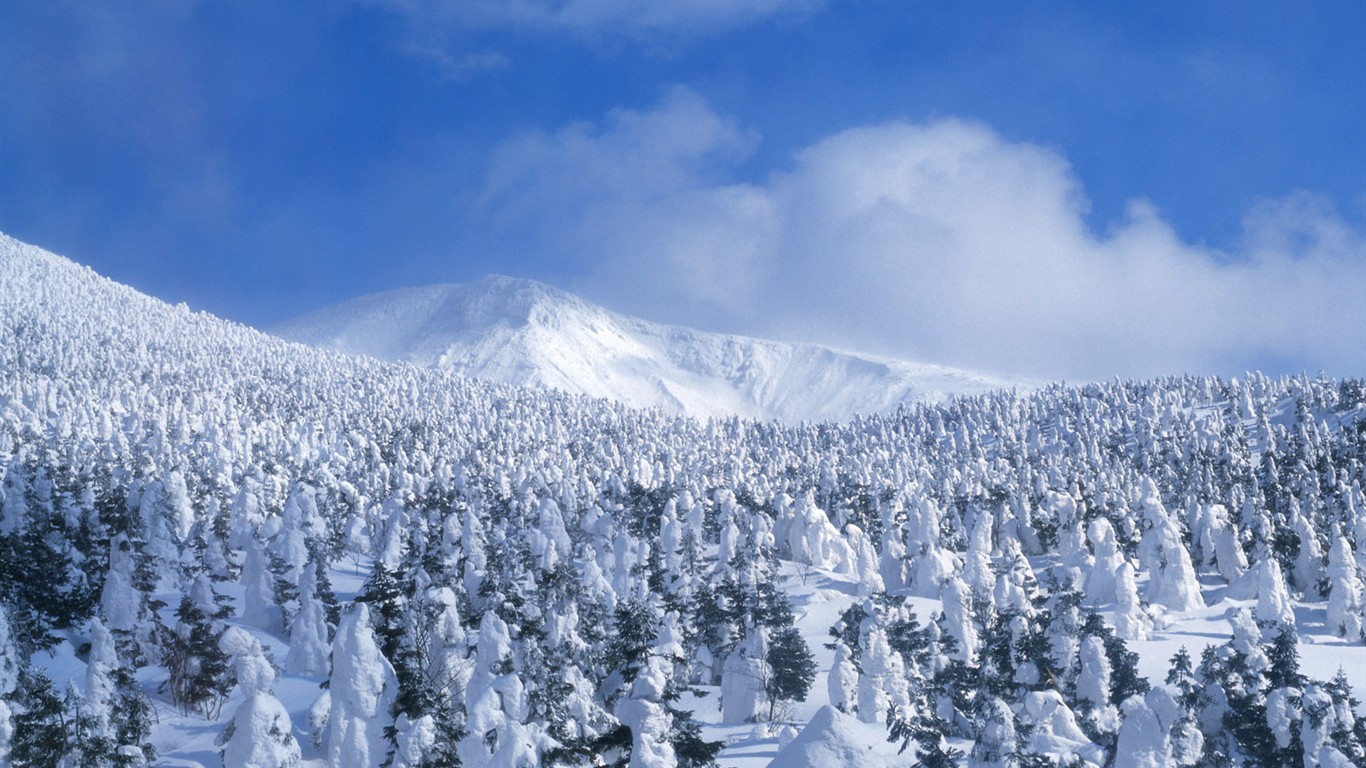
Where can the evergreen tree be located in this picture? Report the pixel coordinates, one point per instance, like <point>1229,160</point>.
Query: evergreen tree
<point>1345,730</point>
<point>685,734</point>
<point>996,734</point>
<point>1125,681</point>
<point>310,635</point>
<point>1284,655</point>
<point>39,722</point>
<point>285,585</point>
<point>1186,739</point>
<point>791,668</point>
<point>130,722</point>
<point>628,645</point>
<point>399,625</point>
<point>40,579</point>
<point>926,731</point>
<point>197,667</point>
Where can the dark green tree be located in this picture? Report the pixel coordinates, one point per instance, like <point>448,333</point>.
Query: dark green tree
<point>628,646</point>
<point>197,668</point>
<point>791,668</point>
<point>40,722</point>
<point>1125,680</point>
<point>926,730</point>
<point>130,721</point>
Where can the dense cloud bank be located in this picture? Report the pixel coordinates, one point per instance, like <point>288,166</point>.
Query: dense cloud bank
<point>939,241</point>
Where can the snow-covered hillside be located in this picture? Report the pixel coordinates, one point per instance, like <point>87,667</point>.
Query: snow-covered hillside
<point>522,332</point>
<point>218,548</point>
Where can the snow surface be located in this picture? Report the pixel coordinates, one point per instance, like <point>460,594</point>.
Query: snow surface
<point>834,739</point>
<point>518,331</point>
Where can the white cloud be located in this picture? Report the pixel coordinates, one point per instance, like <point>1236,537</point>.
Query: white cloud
<point>598,16</point>
<point>938,241</point>
<point>462,67</point>
<point>597,193</point>
<point>453,33</point>
<point>677,144</point>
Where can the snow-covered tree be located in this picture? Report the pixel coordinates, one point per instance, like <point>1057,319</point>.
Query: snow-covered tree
<point>742,686</point>
<point>495,704</point>
<point>309,643</point>
<point>260,733</point>
<point>842,681</point>
<point>1172,579</point>
<point>1346,593</point>
<point>1273,601</point>
<point>361,696</point>
<point>259,606</point>
<point>643,711</point>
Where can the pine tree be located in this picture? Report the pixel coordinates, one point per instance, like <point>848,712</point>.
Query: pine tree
<point>130,722</point>
<point>628,645</point>
<point>1284,685</point>
<point>90,744</point>
<point>685,734</point>
<point>395,623</point>
<point>1187,742</point>
<point>791,668</point>
<point>1346,731</point>
<point>1125,681</point>
<point>38,721</point>
<point>39,577</point>
<point>309,636</point>
<point>361,696</point>
<point>996,734</point>
<point>644,713</point>
<point>197,667</point>
<point>285,585</point>
<point>924,729</point>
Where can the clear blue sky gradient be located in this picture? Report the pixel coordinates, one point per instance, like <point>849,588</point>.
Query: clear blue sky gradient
<point>260,159</point>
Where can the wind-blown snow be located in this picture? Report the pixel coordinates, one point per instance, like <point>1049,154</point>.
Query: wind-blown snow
<point>518,331</point>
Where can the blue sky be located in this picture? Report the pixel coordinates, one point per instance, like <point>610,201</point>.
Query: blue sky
<point>1051,189</point>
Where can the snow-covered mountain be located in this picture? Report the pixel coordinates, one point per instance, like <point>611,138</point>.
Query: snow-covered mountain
<point>519,331</point>
<point>219,548</point>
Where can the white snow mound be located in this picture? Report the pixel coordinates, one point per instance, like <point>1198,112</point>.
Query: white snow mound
<point>835,740</point>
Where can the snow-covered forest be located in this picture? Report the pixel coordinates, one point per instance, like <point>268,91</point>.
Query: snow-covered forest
<point>221,548</point>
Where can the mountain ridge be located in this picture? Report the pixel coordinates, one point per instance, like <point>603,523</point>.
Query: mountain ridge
<point>520,331</point>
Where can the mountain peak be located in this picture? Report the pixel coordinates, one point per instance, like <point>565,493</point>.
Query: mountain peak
<point>516,291</point>
<point>520,331</point>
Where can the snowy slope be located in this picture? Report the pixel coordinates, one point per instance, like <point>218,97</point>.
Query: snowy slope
<point>522,332</point>
<point>214,449</point>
